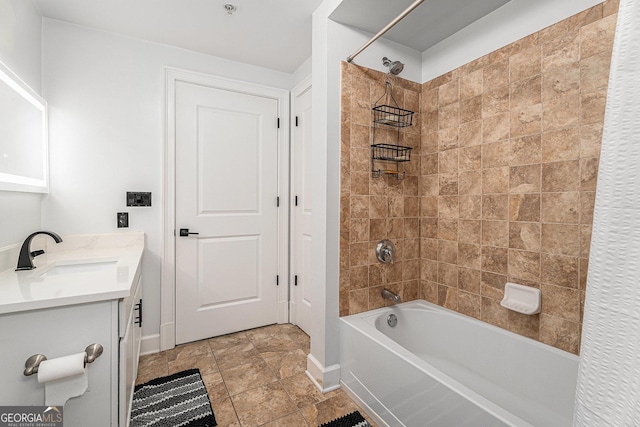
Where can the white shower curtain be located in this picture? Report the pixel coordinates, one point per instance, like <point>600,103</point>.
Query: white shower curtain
<point>608,392</point>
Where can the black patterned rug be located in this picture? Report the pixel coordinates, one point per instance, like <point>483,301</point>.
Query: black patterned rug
<point>177,400</point>
<point>354,419</point>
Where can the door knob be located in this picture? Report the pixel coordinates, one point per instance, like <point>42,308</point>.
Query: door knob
<point>184,232</point>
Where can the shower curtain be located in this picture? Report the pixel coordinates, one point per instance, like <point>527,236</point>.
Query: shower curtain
<point>608,392</point>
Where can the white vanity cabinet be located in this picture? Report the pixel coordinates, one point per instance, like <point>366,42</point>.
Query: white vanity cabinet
<point>86,290</point>
<point>61,331</point>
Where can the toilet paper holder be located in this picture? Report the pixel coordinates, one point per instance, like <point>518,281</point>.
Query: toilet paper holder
<point>92,352</point>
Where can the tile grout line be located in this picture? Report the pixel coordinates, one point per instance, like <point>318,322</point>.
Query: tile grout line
<point>279,379</point>
<point>223,382</point>
<point>276,376</point>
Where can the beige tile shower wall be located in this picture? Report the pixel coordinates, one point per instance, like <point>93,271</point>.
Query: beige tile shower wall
<point>372,209</point>
<point>509,160</point>
<point>500,187</point>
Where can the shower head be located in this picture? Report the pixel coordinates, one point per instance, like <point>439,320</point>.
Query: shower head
<point>395,67</point>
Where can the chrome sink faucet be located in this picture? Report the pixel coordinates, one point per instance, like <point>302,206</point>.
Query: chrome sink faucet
<point>387,294</point>
<point>25,260</point>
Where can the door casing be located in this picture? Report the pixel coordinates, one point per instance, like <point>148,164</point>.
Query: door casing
<point>168,284</point>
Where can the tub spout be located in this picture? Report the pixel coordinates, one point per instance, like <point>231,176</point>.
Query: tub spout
<point>387,294</point>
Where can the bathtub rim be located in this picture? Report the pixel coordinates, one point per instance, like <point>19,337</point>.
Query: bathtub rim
<point>370,316</point>
<point>365,323</point>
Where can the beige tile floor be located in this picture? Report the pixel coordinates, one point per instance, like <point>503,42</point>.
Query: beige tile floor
<point>254,378</point>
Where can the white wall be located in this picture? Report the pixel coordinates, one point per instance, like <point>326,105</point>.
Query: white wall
<point>106,102</point>
<point>20,40</point>
<point>302,73</point>
<point>505,25</point>
<point>20,50</point>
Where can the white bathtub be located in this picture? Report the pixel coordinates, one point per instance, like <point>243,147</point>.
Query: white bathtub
<point>441,368</point>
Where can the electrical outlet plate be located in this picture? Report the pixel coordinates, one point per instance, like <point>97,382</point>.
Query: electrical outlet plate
<point>123,219</point>
<point>138,198</point>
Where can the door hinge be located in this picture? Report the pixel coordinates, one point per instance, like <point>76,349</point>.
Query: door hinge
<point>278,122</point>
<point>277,280</point>
<point>278,202</point>
<point>296,200</point>
<point>296,121</point>
<point>295,280</point>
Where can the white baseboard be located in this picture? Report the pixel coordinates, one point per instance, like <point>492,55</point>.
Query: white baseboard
<point>292,312</point>
<point>167,336</point>
<point>150,344</point>
<point>283,312</point>
<point>325,378</point>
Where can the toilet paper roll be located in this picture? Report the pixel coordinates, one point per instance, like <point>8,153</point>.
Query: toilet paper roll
<point>63,378</point>
<point>61,367</point>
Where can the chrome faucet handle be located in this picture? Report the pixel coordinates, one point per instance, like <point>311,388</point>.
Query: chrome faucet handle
<point>387,254</point>
<point>385,251</point>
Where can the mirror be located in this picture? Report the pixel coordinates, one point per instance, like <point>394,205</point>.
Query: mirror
<point>23,136</point>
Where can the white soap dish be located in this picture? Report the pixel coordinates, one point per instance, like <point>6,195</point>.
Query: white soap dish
<point>522,299</point>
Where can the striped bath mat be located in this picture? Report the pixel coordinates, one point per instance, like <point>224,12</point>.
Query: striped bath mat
<point>177,400</point>
<point>354,419</point>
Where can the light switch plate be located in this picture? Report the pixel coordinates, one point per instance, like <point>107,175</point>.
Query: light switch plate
<point>123,219</point>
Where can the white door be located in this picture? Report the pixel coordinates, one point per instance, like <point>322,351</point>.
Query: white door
<point>226,189</point>
<point>301,208</point>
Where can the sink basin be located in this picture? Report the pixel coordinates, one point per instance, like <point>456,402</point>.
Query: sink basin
<point>79,266</point>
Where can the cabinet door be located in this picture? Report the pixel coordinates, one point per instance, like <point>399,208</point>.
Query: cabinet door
<point>57,332</point>
<point>129,353</point>
<point>125,376</point>
<point>137,333</point>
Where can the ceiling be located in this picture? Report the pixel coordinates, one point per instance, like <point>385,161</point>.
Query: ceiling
<point>274,34</point>
<point>429,24</point>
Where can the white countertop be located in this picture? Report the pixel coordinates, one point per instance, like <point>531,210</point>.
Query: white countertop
<point>81,269</point>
